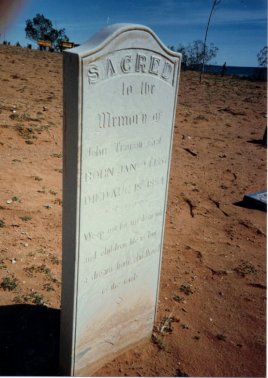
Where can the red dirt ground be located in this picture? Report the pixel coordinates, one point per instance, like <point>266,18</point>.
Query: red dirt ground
<point>212,307</point>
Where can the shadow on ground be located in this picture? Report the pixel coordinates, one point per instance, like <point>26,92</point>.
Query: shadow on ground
<point>29,340</point>
<point>260,142</point>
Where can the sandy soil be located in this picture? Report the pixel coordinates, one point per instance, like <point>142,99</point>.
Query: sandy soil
<point>212,306</point>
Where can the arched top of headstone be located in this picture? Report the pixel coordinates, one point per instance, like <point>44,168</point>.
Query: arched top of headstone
<point>121,33</point>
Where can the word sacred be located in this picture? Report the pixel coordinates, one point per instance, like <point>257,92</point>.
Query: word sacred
<point>139,62</point>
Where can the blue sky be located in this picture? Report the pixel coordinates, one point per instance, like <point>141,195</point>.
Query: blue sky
<point>238,27</point>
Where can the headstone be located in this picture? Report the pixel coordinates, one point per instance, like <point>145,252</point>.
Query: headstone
<point>120,92</point>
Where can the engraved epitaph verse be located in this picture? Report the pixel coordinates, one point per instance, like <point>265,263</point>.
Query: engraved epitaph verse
<point>127,108</point>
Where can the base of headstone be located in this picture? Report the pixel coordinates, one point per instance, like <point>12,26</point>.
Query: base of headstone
<point>90,371</point>
<point>257,200</point>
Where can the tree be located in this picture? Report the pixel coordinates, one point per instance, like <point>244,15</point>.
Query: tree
<point>41,28</point>
<point>195,53</point>
<point>262,56</point>
<point>199,53</point>
<point>183,50</point>
<point>214,4</point>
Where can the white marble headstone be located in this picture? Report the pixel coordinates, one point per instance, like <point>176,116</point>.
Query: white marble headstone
<point>120,92</point>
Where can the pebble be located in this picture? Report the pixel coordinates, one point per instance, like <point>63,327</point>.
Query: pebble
<point>13,261</point>
<point>9,201</point>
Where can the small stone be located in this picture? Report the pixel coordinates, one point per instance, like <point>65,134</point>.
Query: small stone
<point>48,206</point>
<point>9,201</point>
<point>13,261</point>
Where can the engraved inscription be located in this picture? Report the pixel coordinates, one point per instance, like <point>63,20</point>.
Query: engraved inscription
<point>122,264</point>
<point>108,172</point>
<point>109,120</point>
<point>144,89</point>
<point>131,62</point>
<point>99,174</point>
<point>147,88</point>
<point>120,191</point>
<point>97,151</point>
<point>122,226</point>
<point>127,89</point>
